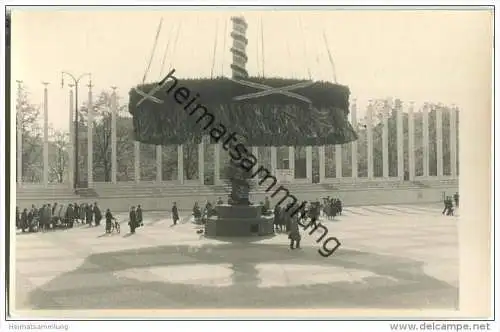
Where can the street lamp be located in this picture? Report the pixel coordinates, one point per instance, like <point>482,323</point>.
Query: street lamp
<point>76,81</point>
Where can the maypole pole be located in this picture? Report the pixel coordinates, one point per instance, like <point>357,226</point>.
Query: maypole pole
<point>238,178</point>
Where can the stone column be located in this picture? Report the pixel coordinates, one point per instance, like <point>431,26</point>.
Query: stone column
<point>159,164</point>
<point>385,140</point>
<point>425,124</point>
<point>400,140</point>
<point>338,161</point>
<point>321,154</point>
<point>255,152</point>
<point>45,135</point>
<point>114,110</point>
<point>411,142</point>
<point>137,161</point>
<point>71,150</point>
<point>291,159</point>
<point>369,138</point>
<point>19,145</point>
<point>309,169</point>
<point>216,163</point>
<point>180,163</point>
<point>201,162</point>
<point>90,147</point>
<point>439,141</point>
<point>354,144</point>
<point>274,159</point>
<point>453,141</point>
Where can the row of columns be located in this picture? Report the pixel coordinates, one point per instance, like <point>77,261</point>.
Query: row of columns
<point>291,150</point>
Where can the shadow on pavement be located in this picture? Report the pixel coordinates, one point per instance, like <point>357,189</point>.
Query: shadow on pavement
<point>394,282</point>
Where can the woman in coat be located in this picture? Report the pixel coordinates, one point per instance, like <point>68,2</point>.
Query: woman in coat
<point>98,214</point>
<point>133,222</point>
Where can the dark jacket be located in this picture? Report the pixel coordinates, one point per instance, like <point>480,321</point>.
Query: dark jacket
<point>138,215</point>
<point>294,230</point>
<point>97,212</point>
<point>70,213</point>
<point>109,217</point>
<point>132,217</point>
<point>175,213</point>
<point>24,219</point>
<point>89,213</point>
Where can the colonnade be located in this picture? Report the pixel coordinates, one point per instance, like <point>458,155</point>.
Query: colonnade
<point>274,160</point>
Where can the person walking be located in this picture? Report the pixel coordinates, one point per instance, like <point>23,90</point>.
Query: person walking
<point>49,217</point>
<point>109,217</point>
<point>98,214</point>
<point>294,234</point>
<point>18,217</point>
<point>24,220</point>
<point>138,216</point>
<point>175,213</point>
<point>89,214</point>
<point>133,222</point>
<point>456,198</point>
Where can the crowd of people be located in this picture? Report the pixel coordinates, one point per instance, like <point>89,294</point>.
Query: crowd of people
<point>60,216</point>
<point>54,216</point>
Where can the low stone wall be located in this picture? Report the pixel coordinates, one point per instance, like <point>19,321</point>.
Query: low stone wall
<point>185,201</point>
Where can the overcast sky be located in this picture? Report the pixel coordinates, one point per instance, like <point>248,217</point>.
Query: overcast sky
<point>437,56</point>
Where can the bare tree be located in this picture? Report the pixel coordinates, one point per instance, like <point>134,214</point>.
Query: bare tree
<point>58,156</point>
<point>32,147</point>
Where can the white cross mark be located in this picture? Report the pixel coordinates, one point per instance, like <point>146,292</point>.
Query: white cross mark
<point>268,90</point>
<point>150,95</point>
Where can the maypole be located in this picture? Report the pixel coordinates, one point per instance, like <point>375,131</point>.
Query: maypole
<point>238,49</point>
<point>237,177</point>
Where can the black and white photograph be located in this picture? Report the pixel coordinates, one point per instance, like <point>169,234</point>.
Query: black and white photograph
<point>300,159</point>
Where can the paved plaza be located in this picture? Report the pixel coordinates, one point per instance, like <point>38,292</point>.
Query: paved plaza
<point>392,256</point>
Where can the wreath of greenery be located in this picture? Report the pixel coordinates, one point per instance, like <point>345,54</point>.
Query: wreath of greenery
<point>272,120</point>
